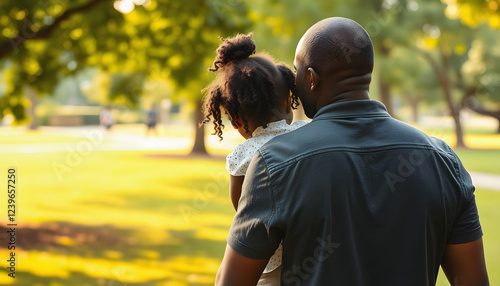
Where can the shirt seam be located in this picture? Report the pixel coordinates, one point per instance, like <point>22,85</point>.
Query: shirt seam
<point>295,159</point>
<point>362,115</point>
<point>274,211</point>
<point>237,241</point>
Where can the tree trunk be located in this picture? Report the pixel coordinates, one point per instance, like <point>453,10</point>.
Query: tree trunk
<point>385,96</point>
<point>413,102</point>
<point>31,110</point>
<point>454,110</point>
<point>444,80</point>
<point>199,140</point>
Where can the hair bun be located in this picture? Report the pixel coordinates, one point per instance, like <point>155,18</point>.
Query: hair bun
<point>234,49</point>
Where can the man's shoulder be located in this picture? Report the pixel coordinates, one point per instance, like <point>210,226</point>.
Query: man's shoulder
<point>290,144</point>
<point>325,134</point>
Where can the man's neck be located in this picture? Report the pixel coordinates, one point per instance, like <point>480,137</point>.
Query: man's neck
<point>345,96</point>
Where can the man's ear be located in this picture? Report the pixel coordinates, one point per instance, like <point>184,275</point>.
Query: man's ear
<point>313,78</point>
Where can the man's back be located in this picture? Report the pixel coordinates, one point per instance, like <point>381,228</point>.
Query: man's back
<point>358,198</point>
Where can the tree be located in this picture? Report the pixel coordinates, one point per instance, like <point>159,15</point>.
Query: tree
<point>279,26</point>
<point>138,39</point>
<point>480,74</point>
<point>474,12</point>
<point>411,78</point>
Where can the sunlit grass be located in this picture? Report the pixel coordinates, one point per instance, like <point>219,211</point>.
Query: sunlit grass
<point>130,188</point>
<point>476,140</point>
<point>149,218</point>
<point>489,212</point>
<point>21,136</point>
<point>485,161</point>
<point>160,219</point>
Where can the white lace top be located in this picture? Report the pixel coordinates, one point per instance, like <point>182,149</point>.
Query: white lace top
<point>238,161</point>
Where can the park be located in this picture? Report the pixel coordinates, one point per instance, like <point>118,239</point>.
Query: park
<point>133,205</point>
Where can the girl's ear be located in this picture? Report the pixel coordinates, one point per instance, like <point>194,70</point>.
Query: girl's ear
<point>288,103</point>
<point>237,123</point>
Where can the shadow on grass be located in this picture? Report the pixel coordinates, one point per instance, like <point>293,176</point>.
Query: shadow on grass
<point>115,248</point>
<point>95,241</point>
<point>80,279</point>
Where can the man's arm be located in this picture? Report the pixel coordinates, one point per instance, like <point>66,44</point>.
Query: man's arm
<point>464,264</point>
<point>238,270</point>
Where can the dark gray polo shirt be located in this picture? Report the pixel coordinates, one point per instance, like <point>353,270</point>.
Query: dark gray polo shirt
<point>358,198</point>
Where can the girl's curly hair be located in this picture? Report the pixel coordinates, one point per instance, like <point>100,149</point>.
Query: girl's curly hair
<point>246,86</point>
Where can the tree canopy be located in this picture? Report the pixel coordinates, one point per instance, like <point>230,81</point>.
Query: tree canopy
<point>474,12</point>
<point>47,40</point>
<point>131,42</point>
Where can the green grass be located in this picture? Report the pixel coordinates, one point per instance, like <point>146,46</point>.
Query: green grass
<point>489,212</point>
<point>143,218</point>
<point>140,219</point>
<point>34,137</point>
<point>130,217</point>
<point>485,161</point>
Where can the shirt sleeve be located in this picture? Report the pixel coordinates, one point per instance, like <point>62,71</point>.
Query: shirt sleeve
<point>252,233</point>
<point>467,227</point>
<point>238,161</point>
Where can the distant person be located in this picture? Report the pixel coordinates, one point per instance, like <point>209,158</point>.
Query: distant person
<point>106,118</point>
<point>355,197</point>
<point>257,96</point>
<point>151,120</point>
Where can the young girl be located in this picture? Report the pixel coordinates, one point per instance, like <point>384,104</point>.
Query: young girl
<point>257,96</point>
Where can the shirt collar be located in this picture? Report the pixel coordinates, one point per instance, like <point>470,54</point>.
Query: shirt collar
<point>271,126</point>
<point>354,108</point>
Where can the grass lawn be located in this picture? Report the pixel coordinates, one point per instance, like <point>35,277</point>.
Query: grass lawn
<point>143,218</point>
<point>485,161</point>
<point>118,216</point>
<point>20,136</point>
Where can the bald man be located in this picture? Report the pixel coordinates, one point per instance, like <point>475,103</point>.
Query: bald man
<point>355,196</point>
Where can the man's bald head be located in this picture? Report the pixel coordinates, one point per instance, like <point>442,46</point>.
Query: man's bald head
<point>333,62</point>
<point>337,43</point>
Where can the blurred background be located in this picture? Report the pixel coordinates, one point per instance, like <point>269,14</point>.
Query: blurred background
<point>102,199</point>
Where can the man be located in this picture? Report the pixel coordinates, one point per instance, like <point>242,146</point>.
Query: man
<point>357,197</point>
<point>106,118</point>
<point>151,119</point>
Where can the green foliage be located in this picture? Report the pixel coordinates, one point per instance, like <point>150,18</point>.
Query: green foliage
<point>475,12</point>
<point>144,218</point>
<point>175,41</point>
<point>52,39</point>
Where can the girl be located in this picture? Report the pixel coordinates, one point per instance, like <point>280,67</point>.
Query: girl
<point>257,96</point>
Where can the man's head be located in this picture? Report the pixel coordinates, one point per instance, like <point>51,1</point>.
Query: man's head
<point>334,62</point>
